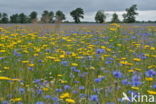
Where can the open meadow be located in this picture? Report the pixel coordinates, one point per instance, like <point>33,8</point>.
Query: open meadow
<point>77,64</point>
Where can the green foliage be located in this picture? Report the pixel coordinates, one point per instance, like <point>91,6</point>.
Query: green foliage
<point>19,18</point>
<point>4,18</point>
<point>77,14</point>
<point>100,17</point>
<point>129,17</point>
<point>47,17</point>
<point>115,18</point>
<point>60,15</point>
<point>33,17</point>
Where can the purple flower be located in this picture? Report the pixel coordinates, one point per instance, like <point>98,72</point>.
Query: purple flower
<point>58,90</point>
<point>65,63</point>
<point>125,82</point>
<point>81,87</point>
<point>150,73</point>
<point>94,97</point>
<point>117,74</point>
<point>66,87</point>
<point>39,102</point>
<point>110,103</point>
<point>154,86</point>
<point>55,99</point>
<point>5,102</point>
<point>98,51</point>
<point>47,96</point>
<point>98,79</point>
<point>21,90</point>
<point>1,58</point>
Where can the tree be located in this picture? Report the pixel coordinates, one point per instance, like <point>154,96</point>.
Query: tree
<point>77,14</point>
<point>4,18</point>
<point>100,17</point>
<point>115,18</point>
<point>60,16</point>
<point>33,17</point>
<point>14,18</point>
<point>23,18</point>
<point>129,17</point>
<point>0,17</point>
<point>47,17</point>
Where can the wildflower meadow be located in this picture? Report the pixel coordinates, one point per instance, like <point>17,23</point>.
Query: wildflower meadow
<point>80,65</point>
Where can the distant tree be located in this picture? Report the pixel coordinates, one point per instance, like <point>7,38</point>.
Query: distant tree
<point>23,18</point>
<point>4,18</point>
<point>115,18</point>
<point>0,17</point>
<point>14,18</point>
<point>77,14</point>
<point>33,17</point>
<point>129,16</point>
<point>100,17</point>
<point>51,16</point>
<point>60,15</point>
<point>47,17</point>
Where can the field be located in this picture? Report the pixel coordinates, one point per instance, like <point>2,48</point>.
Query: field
<point>76,64</point>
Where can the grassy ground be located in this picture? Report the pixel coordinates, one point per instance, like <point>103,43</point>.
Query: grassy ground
<point>81,64</point>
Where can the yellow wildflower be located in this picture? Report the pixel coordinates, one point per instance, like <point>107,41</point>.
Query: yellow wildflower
<point>70,101</point>
<point>15,99</point>
<point>151,92</point>
<point>149,79</point>
<point>74,64</point>
<point>136,59</point>
<point>64,95</point>
<point>135,88</point>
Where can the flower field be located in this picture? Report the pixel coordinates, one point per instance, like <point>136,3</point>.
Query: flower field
<point>82,66</point>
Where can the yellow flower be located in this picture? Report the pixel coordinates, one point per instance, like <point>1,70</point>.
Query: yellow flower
<point>26,61</point>
<point>74,64</point>
<point>59,75</point>
<point>62,56</point>
<point>130,70</point>
<point>16,99</point>
<point>149,79</point>
<point>70,101</point>
<point>136,59</point>
<point>45,89</point>
<point>4,78</point>
<point>152,92</point>
<point>7,78</point>
<point>31,65</point>
<point>64,95</point>
<point>2,51</point>
<point>135,88</point>
<point>6,68</point>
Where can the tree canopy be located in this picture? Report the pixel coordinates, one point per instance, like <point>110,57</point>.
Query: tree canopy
<point>77,14</point>
<point>129,16</point>
<point>100,17</point>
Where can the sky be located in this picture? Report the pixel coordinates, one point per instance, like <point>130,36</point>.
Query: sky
<point>146,8</point>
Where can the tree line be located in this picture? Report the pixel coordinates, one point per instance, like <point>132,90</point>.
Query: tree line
<point>77,15</point>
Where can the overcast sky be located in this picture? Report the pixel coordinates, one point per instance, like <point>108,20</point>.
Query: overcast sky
<point>147,8</point>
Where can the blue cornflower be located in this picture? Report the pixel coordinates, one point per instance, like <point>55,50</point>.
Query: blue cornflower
<point>98,51</point>
<point>94,97</point>
<point>66,87</point>
<point>39,102</point>
<point>65,63</point>
<point>81,87</point>
<point>154,86</point>
<point>58,90</point>
<point>125,82</point>
<point>117,74</point>
<point>21,90</point>
<point>150,73</point>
